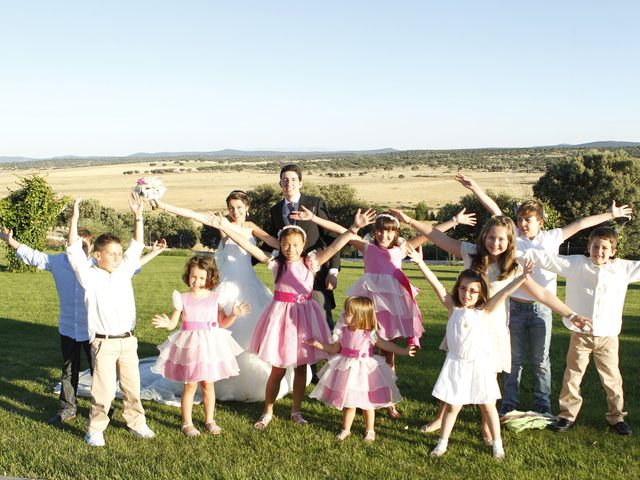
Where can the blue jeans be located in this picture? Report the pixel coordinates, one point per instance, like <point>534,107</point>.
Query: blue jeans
<point>529,323</point>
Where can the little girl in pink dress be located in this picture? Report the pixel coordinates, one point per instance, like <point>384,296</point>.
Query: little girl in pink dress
<point>355,377</point>
<point>293,317</point>
<point>200,352</point>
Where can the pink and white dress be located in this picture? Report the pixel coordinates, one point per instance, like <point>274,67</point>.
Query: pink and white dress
<point>200,350</point>
<point>392,294</point>
<point>291,318</point>
<point>356,378</point>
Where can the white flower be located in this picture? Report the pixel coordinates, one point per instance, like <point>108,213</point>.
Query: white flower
<point>150,188</point>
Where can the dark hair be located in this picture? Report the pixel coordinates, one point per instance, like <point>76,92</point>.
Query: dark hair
<point>238,195</point>
<point>105,239</point>
<point>282,261</point>
<point>472,276</point>
<point>605,233</point>
<point>206,263</point>
<point>507,259</point>
<point>85,233</point>
<point>291,167</point>
<point>384,222</point>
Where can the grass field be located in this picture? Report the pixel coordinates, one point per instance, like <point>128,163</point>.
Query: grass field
<point>206,190</point>
<point>30,361</point>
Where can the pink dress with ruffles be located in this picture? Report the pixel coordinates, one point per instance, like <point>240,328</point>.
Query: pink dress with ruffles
<point>200,350</point>
<point>355,377</point>
<point>391,292</point>
<point>291,318</point>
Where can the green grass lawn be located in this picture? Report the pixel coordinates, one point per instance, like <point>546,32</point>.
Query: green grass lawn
<point>29,368</point>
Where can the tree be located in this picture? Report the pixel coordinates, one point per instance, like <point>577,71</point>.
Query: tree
<point>30,211</point>
<point>179,232</point>
<point>586,185</point>
<point>422,211</point>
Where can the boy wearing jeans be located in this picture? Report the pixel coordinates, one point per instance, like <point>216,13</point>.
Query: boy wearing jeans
<point>530,321</point>
<point>111,318</point>
<point>596,287</point>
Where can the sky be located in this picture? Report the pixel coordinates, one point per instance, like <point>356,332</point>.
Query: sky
<point>120,77</point>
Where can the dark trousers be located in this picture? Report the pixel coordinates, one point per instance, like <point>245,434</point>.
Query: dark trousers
<point>71,353</point>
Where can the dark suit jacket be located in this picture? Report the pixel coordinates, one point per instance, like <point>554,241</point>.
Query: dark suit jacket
<point>317,238</point>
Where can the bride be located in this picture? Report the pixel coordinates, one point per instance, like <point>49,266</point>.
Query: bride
<point>238,282</point>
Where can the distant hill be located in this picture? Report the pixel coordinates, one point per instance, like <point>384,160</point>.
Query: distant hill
<point>600,144</point>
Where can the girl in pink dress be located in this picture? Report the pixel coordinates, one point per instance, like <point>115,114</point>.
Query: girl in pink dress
<point>384,282</point>
<point>200,352</point>
<point>293,317</point>
<point>355,378</point>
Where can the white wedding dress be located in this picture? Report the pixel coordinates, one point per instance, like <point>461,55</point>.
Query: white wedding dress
<point>238,283</point>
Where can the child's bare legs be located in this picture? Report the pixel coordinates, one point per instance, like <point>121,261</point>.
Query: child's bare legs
<point>390,358</point>
<point>186,403</point>
<point>369,422</point>
<point>272,389</point>
<point>485,429</point>
<point>490,412</point>
<point>299,384</point>
<point>209,400</point>
<point>348,414</point>
<point>434,425</point>
<point>448,421</point>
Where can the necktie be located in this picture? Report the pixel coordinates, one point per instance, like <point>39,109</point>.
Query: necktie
<point>290,208</point>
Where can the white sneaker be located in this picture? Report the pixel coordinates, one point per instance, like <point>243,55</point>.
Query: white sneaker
<point>94,439</point>
<point>143,432</point>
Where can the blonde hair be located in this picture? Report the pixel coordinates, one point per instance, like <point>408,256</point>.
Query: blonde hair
<point>363,313</point>
<point>506,260</point>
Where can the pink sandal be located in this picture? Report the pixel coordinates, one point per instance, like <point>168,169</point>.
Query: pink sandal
<point>297,418</point>
<point>263,421</point>
<point>213,428</point>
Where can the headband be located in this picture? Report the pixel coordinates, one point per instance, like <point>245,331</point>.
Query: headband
<point>294,227</point>
<point>386,215</point>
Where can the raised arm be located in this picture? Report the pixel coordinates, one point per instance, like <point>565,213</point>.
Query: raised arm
<point>448,244</point>
<point>500,297</point>
<point>593,220</point>
<point>441,292</point>
<point>169,323</point>
<point>362,219</point>
<point>181,212</point>
<point>220,222</point>
<point>7,235</point>
<point>264,236</point>
<point>137,205</point>
<point>73,224</point>
<point>157,248</point>
<point>238,310</point>
<point>359,220</point>
<point>460,218</point>
<point>480,194</point>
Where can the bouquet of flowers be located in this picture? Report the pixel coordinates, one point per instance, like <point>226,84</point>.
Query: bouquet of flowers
<point>150,188</point>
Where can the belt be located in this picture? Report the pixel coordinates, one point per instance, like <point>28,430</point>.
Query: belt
<point>351,353</point>
<point>122,335</point>
<point>518,300</point>
<point>199,325</point>
<point>291,297</point>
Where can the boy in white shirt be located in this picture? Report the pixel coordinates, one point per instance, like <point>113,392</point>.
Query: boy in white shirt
<point>529,321</point>
<point>111,318</point>
<point>596,287</point>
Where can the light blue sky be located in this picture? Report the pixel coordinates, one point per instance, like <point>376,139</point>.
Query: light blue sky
<point>119,77</point>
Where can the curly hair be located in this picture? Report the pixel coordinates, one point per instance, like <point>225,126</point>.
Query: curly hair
<point>206,263</point>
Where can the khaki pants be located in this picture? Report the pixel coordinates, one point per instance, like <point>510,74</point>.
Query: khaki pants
<point>113,358</point>
<point>605,356</point>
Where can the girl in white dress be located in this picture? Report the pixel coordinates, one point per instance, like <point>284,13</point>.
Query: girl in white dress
<point>238,283</point>
<point>468,375</point>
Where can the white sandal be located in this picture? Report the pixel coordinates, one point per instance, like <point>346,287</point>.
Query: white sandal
<point>188,430</point>
<point>369,436</point>
<point>297,418</point>
<point>263,421</point>
<point>213,428</point>
<point>342,435</point>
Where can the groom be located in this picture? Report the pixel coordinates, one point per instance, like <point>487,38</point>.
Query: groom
<point>317,238</point>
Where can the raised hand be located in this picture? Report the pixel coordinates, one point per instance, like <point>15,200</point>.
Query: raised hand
<point>414,254</point>
<point>240,309</point>
<point>362,219</point>
<point>620,211</point>
<point>161,321</point>
<point>155,203</point>
<point>527,268</point>
<point>6,234</point>
<point>304,214</point>
<point>463,218</point>
<point>159,246</point>
<point>465,181</point>
<point>75,209</point>
<point>216,220</point>
<point>136,204</point>
<point>400,215</point>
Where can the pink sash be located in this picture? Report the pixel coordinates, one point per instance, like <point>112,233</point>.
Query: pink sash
<point>399,275</point>
<point>351,353</point>
<point>291,297</point>
<point>199,325</point>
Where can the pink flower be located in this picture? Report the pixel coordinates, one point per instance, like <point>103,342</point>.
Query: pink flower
<point>142,181</point>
